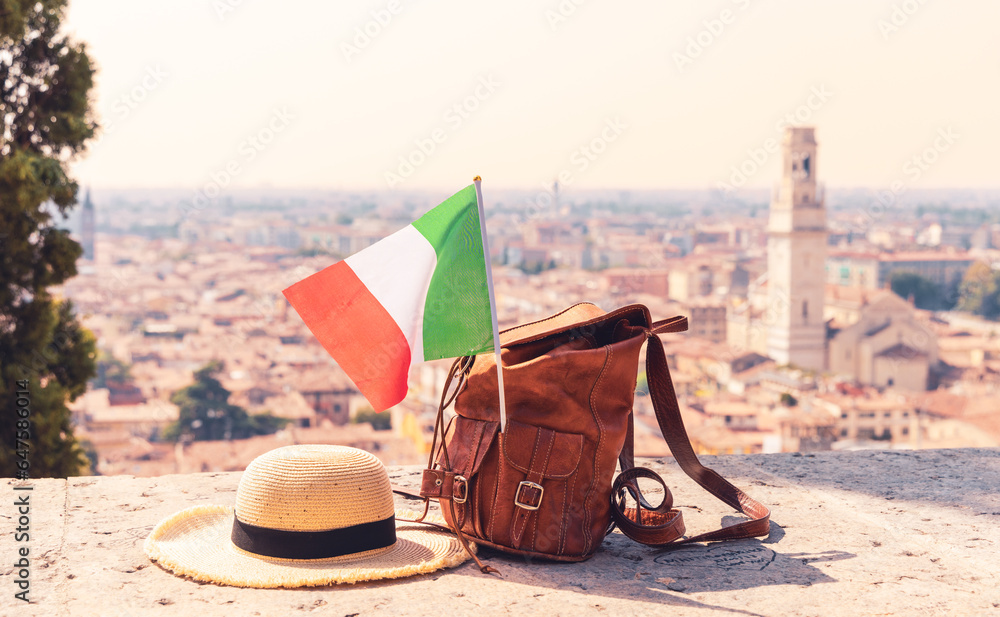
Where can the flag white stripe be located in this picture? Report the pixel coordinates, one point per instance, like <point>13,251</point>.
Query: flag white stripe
<point>398,271</point>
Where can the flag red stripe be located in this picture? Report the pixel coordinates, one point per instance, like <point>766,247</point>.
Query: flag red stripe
<point>371,348</point>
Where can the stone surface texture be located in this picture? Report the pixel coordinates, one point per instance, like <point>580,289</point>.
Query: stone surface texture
<point>852,533</point>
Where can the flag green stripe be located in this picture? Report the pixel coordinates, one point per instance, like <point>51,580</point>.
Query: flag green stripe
<point>457,319</point>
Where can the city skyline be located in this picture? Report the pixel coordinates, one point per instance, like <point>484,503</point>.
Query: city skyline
<point>389,96</point>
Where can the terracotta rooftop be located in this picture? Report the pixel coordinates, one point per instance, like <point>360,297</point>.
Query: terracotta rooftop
<point>730,408</point>
<point>914,256</point>
<point>901,351</point>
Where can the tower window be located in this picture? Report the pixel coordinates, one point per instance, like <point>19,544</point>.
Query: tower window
<point>805,166</point>
<point>805,310</point>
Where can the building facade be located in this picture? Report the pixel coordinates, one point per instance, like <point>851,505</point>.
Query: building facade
<point>886,347</point>
<point>707,319</point>
<point>875,270</point>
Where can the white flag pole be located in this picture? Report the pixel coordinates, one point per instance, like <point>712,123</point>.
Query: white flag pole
<point>493,302</point>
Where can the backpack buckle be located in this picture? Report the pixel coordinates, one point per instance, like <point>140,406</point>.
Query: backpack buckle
<point>519,498</point>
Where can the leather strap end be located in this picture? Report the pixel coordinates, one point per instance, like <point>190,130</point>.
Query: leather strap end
<point>437,484</point>
<point>672,325</point>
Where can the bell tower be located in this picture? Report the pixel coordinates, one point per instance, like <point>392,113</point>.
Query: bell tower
<point>796,258</point>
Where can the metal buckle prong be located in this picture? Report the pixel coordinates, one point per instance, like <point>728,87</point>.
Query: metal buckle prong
<point>464,492</point>
<point>522,504</point>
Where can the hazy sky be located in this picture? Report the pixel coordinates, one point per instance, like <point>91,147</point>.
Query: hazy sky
<point>659,94</point>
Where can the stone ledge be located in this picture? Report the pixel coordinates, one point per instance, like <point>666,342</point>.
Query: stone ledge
<point>853,533</point>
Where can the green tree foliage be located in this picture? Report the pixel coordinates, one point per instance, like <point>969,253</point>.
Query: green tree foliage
<point>979,292</point>
<point>111,370</point>
<point>379,421</point>
<point>537,267</point>
<point>642,384</point>
<point>926,294</point>
<point>45,123</point>
<point>206,414</point>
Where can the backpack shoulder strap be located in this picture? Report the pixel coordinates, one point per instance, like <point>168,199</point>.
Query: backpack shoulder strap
<point>660,528</point>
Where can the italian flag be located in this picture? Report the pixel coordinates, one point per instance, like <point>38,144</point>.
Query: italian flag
<point>419,294</point>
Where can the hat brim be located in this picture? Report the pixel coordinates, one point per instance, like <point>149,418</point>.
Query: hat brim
<point>196,543</point>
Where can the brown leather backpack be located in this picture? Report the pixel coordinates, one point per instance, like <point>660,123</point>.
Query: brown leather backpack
<point>544,487</point>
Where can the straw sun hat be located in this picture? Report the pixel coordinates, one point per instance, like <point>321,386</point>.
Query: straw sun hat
<point>305,515</point>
